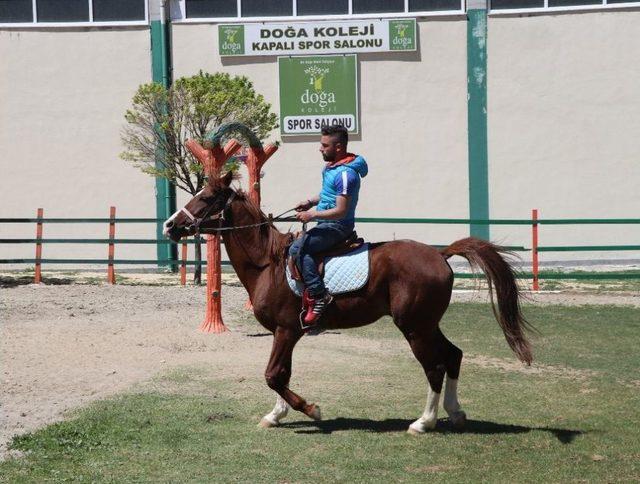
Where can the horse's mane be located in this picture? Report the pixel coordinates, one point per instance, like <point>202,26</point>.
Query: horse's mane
<point>277,242</point>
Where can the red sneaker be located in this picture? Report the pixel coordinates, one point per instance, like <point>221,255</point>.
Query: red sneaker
<point>316,308</point>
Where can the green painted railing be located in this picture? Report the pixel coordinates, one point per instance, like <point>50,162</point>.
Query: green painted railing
<point>471,221</point>
<point>93,241</point>
<point>104,261</point>
<point>54,220</point>
<point>395,220</point>
<point>384,220</point>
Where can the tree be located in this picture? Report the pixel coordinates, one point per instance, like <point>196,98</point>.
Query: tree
<point>160,120</point>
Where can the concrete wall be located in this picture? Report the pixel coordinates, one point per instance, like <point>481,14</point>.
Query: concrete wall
<point>564,128</point>
<point>63,97</point>
<point>413,129</point>
<point>562,113</point>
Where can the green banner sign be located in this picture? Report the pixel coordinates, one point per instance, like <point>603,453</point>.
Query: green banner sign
<point>318,91</point>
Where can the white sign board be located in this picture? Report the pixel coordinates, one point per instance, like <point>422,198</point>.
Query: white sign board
<point>317,37</point>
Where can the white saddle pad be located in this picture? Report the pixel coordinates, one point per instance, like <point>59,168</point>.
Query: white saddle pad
<point>344,273</point>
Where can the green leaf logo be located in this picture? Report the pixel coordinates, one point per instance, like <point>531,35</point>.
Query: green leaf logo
<point>231,39</point>
<point>316,76</point>
<point>402,35</point>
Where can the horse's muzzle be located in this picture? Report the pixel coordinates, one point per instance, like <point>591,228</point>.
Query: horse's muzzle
<point>174,233</point>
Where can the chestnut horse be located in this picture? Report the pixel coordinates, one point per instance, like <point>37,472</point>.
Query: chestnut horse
<point>408,280</point>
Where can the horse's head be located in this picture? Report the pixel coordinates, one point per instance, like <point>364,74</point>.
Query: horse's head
<point>203,211</point>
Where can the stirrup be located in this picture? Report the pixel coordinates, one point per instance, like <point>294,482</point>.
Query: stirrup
<point>303,325</point>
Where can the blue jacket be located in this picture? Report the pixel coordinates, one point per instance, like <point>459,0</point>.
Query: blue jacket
<point>342,180</point>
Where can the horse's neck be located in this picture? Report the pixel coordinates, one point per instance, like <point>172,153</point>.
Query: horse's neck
<point>248,251</point>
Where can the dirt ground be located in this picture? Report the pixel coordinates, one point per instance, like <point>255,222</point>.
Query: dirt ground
<point>65,345</point>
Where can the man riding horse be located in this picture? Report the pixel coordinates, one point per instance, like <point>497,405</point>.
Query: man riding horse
<point>407,280</point>
<point>334,211</point>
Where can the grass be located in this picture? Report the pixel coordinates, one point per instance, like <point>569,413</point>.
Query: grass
<point>592,285</point>
<point>573,419</point>
<point>569,285</point>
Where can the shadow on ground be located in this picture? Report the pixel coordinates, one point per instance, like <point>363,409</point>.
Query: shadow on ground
<point>7,282</point>
<point>316,333</point>
<point>481,427</point>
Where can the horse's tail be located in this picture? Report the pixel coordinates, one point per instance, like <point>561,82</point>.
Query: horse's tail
<point>500,275</point>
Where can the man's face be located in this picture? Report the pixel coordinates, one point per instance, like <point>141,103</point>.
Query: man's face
<point>328,148</point>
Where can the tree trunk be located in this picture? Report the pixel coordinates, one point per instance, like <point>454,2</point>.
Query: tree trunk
<point>197,273</point>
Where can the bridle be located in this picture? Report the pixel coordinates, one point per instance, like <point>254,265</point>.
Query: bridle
<point>196,227</point>
<point>196,222</point>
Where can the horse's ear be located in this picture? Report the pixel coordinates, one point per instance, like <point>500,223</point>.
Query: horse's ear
<point>227,178</point>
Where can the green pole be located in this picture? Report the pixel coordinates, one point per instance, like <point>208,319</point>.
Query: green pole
<point>477,115</point>
<point>161,73</point>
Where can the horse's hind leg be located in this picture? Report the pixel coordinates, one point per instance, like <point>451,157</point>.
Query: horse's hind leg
<point>453,360</point>
<point>427,350</point>
<point>438,356</point>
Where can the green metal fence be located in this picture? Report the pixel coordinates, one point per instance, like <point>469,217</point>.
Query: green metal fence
<point>112,241</point>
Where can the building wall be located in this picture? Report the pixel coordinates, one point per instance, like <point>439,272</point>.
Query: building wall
<point>413,129</point>
<point>564,128</point>
<point>63,96</point>
<point>562,125</point>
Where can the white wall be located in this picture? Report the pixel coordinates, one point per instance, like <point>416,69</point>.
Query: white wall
<point>564,126</point>
<point>413,129</point>
<point>63,96</point>
<point>564,130</point>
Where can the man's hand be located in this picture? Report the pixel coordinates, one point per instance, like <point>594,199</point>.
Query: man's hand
<point>304,205</point>
<point>306,216</point>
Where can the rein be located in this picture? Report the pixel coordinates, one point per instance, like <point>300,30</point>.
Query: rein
<point>220,216</point>
<point>270,220</point>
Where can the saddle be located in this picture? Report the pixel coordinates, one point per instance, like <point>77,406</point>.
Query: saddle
<point>352,243</point>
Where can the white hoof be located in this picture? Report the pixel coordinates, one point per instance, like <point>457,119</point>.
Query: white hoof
<point>421,426</point>
<point>266,423</point>
<point>458,419</point>
<point>315,413</point>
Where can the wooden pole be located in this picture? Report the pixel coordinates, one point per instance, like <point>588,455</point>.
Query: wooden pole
<point>256,158</point>
<point>213,317</point>
<point>111,274</point>
<point>213,160</point>
<point>38,270</point>
<point>534,249</point>
<point>183,265</point>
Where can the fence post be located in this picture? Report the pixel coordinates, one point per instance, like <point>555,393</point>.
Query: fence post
<point>183,264</point>
<point>111,274</point>
<point>534,249</point>
<point>38,273</point>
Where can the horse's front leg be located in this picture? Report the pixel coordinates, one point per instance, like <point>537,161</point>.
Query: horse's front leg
<point>278,374</point>
<point>280,411</point>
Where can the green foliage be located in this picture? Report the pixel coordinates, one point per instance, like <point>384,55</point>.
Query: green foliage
<point>160,120</point>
